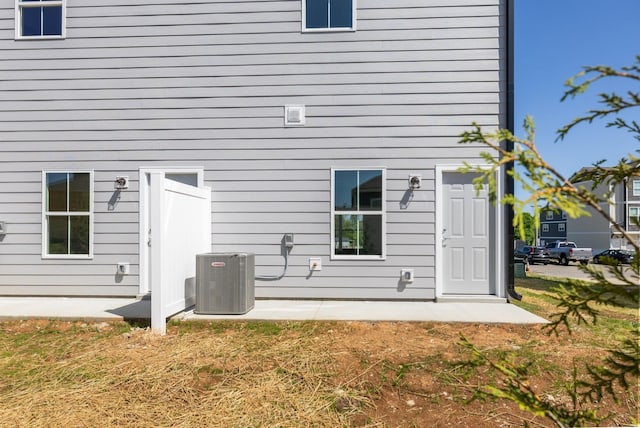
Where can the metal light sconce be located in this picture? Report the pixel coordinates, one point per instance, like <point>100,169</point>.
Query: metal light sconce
<point>121,183</point>
<point>415,182</point>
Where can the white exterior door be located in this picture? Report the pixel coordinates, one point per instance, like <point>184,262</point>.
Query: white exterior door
<point>467,237</point>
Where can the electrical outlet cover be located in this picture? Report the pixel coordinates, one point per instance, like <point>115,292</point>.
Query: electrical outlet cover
<point>406,275</point>
<point>315,263</point>
<point>123,268</point>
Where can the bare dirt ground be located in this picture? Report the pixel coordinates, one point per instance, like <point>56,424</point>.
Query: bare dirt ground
<point>298,374</point>
<point>425,383</point>
<point>238,374</point>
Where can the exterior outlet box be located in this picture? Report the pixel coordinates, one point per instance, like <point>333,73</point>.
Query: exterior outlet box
<point>288,240</point>
<point>124,268</point>
<point>3,228</point>
<point>315,263</point>
<point>406,275</point>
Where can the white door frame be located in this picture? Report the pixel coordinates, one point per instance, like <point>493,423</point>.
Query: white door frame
<point>499,227</point>
<point>144,215</point>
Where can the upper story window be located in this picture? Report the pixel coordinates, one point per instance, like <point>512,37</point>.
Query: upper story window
<point>67,224</point>
<point>561,227</point>
<point>549,215</point>
<point>545,227</point>
<point>358,214</point>
<point>42,19</point>
<point>328,15</point>
<point>636,187</point>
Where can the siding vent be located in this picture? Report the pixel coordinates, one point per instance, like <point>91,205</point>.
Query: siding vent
<point>294,115</point>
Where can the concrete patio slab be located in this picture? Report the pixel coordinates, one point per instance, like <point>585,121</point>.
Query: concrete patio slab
<point>74,308</point>
<point>77,308</point>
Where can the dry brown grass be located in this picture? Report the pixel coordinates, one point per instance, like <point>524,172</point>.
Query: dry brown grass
<point>136,378</point>
<point>285,374</point>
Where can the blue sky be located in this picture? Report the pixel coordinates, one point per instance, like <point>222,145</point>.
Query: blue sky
<point>554,39</point>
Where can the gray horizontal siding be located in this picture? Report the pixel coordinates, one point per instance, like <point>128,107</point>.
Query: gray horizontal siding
<point>154,125</point>
<point>265,158</point>
<point>447,101</point>
<point>449,38</point>
<point>140,83</point>
<point>177,135</point>
<point>51,83</point>
<point>454,46</point>
<point>235,60</point>
<point>255,143</point>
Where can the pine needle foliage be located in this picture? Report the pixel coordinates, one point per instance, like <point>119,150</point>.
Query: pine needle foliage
<point>580,302</point>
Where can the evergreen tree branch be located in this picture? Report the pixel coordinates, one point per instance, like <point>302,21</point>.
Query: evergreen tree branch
<point>579,301</point>
<point>614,104</point>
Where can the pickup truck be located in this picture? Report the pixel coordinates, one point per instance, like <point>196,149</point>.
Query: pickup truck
<point>564,252</point>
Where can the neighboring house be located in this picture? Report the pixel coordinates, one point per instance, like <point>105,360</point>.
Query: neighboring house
<point>623,206</point>
<point>553,226</point>
<point>307,117</point>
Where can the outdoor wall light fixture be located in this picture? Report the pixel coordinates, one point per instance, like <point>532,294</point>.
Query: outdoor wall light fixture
<point>121,183</point>
<point>415,182</point>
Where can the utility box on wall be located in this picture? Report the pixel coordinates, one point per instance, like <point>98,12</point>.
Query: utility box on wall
<point>225,283</point>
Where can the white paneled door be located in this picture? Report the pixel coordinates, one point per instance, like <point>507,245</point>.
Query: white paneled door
<point>466,237</point>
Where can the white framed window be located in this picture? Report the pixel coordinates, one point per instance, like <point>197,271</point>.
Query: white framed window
<point>636,187</point>
<point>549,215</point>
<point>358,213</point>
<point>545,227</point>
<point>564,215</point>
<point>40,19</point>
<point>634,214</point>
<point>328,15</point>
<point>561,227</point>
<point>67,215</point>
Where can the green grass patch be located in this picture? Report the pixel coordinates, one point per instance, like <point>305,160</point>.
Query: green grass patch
<point>612,324</point>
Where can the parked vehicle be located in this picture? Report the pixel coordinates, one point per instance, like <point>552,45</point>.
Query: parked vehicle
<point>615,256</point>
<point>564,252</point>
<point>533,255</point>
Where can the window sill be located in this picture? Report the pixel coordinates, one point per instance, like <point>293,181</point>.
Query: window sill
<point>67,257</point>
<point>20,38</point>
<point>361,258</point>
<point>328,30</point>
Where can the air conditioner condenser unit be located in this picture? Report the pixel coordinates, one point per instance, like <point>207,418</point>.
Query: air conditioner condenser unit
<point>225,283</point>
